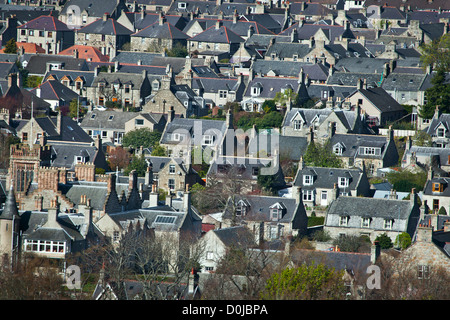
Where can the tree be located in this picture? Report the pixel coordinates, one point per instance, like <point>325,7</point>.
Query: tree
<point>282,97</point>
<point>159,151</point>
<point>318,155</point>
<point>442,211</point>
<point>436,53</point>
<point>137,163</point>
<point>178,50</point>
<point>10,46</point>
<point>352,243</point>
<point>437,96</point>
<point>404,181</point>
<point>76,110</point>
<point>141,137</point>
<point>385,241</point>
<point>269,106</point>
<point>403,240</point>
<point>307,282</point>
<point>118,158</point>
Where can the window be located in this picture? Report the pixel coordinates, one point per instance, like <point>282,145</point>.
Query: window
<point>365,222</point>
<point>41,33</point>
<point>44,246</point>
<point>423,272</point>
<point>208,140</point>
<point>182,5</point>
<point>172,169</point>
<point>297,125</point>
<point>24,136</point>
<point>222,94</point>
<point>165,219</point>
<point>343,182</point>
<point>255,171</point>
<point>50,34</point>
<point>23,32</point>
<point>78,85</point>
<point>116,236</point>
<point>435,204</point>
<point>337,150</point>
<point>127,88</point>
<point>84,18</point>
<point>343,221</point>
<point>307,195</point>
<point>388,223</point>
<point>171,184</point>
<point>139,122</point>
<point>307,180</point>
<point>111,117</point>
<point>437,187</point>
<point>240,210</point>
<point>209,255</point>
<point>275,214</point>
<point>86,36</point>
<point>274,232</point>
<point>101,101</point>
<point>440,132</point>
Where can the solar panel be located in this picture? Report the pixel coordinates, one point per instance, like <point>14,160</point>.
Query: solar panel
<point>165,219</point>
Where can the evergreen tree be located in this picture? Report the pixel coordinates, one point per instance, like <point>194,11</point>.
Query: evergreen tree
<point>11,46</point>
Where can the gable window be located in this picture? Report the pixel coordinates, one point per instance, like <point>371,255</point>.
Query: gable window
<point>343,221</point>
<point>101,101</point>
<point>275,214</point>
<point>127,88</point>
<point>116,236</point>
<point>172,169</point>
<point>297,125</point>
<point>337,150</point>
<point>240,210</point>
<point>139,122</point>
<point>307,180</point>
<point>440,132</point>
<point>343,182</point>
<point>365,222</point>
<point>256,91</point>
<point>208,140</point>
<point>182,5</point>
<point>388,223</point>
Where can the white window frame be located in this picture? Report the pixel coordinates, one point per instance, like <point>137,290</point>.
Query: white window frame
<point>172,169</point>
<point>343,182</point>
<point>388,224</point>
<point>171,185</point>
<point>308,195</point>
<point>365,222</point>
<point>297,124</point>
<point>307,180</point>
<point>343,221</point>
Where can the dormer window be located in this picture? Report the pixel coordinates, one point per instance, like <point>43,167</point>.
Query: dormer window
<point>388,223</point>
<point>438,187</point>
<point>276,211</point>
<point>307,180</point>
<point>365,222</point>
<point>240,210</point>
<point>155,85</point>
<point>182,5</point>
<point>297,125</point>
<point>79,159</point>
<point>208,140</point>
<point>343,221</point>
<point>256,90</point>
<point>337,150</point>
<point>343,182</point>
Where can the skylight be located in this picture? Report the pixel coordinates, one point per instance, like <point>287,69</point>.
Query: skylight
<point>165,219</point>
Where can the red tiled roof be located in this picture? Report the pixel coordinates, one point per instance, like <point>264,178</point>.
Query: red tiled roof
<point>86,52</point>
<point>28,47</point>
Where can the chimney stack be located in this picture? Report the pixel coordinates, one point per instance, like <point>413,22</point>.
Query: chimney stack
<point>153,197</point>
<point>375,252</point>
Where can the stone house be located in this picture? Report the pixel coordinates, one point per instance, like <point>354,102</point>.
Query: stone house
<point>428,253</point>
<point>378,105</point>
<point>372,217</point>
<point>167,96</point>
<point>158,37</point>
<point>79,13</point>
<point>106,34</point>
<point>268,218</point>
<point>77,81</point>
<point>321,186</point>
<point>367,152</point>
<point>47,32</point>
<point>436,193</point>
<point>218,242</point>
<point>217,38</point>
<point>113,125</point>
<point>439,129</point>
<point>172,174</point>
<point>56,94</point>
<point>300,121</point>
<point>127,89</point>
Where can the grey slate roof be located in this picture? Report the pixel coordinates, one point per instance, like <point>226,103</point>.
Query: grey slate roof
<point>258,208</point>
<point>290,68</point>
<point>352,142</point>
<point>285,50</point>
<point>47,23</point>
<point>38,63</point>
<point>94,8</point>
<point>108,27</point>
<point>221,35</point>
<point>326,177</point>
<point>403,82</point>
<point>87,76</point>
<point>237,237</point>
<point>165,31</point>
<point>63,154</point>
<point>381,99</point>
<point>187,125</point>
<point>55,90</point>
<point>146,58</point>
<point>10,208</point>
<point>271,85</point>
<point>351,79</point>
<point>101,119</point>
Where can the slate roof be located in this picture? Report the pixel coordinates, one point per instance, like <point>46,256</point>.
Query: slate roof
<point>403,82</point>
<point>72,75</point>
<point>370,207</point>
<point>201,7</point>
<point>47,23</point>
<point>283,68</point>
<point>150,18</point>
<point>288,50</point>
<point>271,85</point>
<point>63,154</point>
<point>352,142</point>
<point>133,57</point>
<point>38,63</point>
<point>306,31</point>
<point>237,237</point>
<point>325,178</point>
<point>10,209</point>
<point>221,35</point>
<point>414,4</point>
<point>165,31</point>
<point>108,27</point>
<point>351,79</point>
<point>55,90</point>
<point>93,8</point>
<point>70,130</point>
<point>258,208</point>
<point>381,99</point>
<point>101,119</point>
<point>209,85</point>
<point>188,126</point>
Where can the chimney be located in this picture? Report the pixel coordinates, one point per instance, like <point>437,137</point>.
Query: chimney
<point>359,84</point>
<point>111,184</point>
<point>413,197</point>
<point>98,142</point>
<point>425,232</point>
<point>148,177</point>
<point>187,199</point>
<point>393,195</point>
<point>59,122</point>
<point>297,194</point>
<point>375,251</point>
<point>294,36</point>
<point>430,173</point>
<point>331,128</point>
<point>105,16</point>
<point>153,197</point>
<point>132,180</point>
<point>218,24</point>
<point>116,66</point>
<point>169,200</point>
<point>390,133</point>
<point>161,19</point>
<point>43,139</point>
<point>250,31</point>
<point>229,119</point>
<point>334,192</point>
<point>75,53</point>
<point>52,215</point>
<point>447,226</point>
<point>171,114</point>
